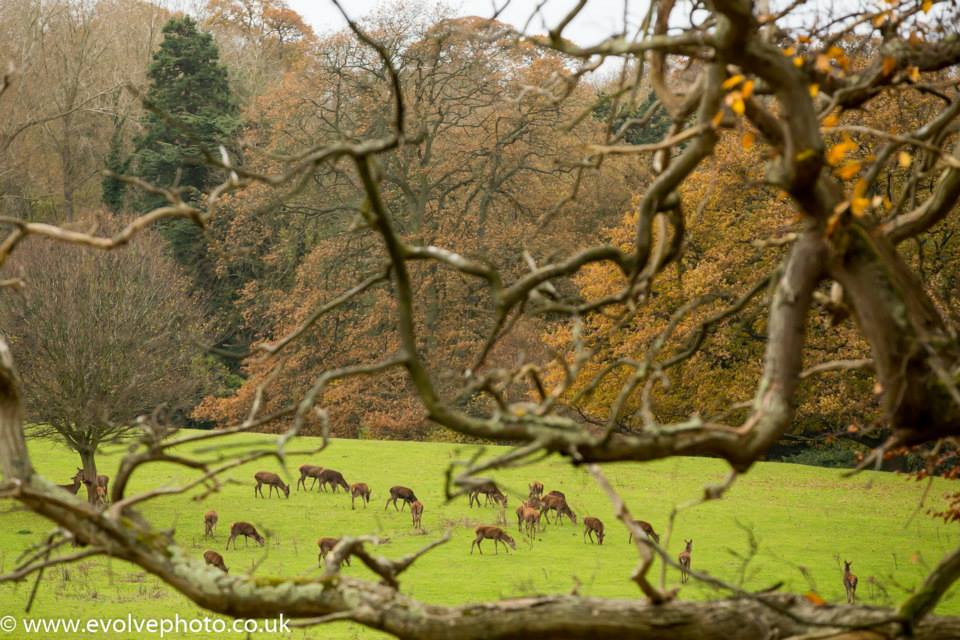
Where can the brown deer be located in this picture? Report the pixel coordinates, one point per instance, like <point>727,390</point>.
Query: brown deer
<point>308,471</point>
<point>400,493</point>
<point>498,535</point>
<point>647,529</point>
<point>210,523</point>
<point>326,546</point>
<point>530,503</point>
<point>271,479</point>
<point>102,481</point>
<point>591,526</point>
<point>332,478</point>
<point>359,490</point>
<point>536,489</point>
<point>491,491</point>
<point>74,486</point>
<point>849,582</point>
<point>215,559</point>
<point>531,518</point>
<point>246,530</point>
<point>684,559</point>
<point>559,494</point>
<point>559,505</point>
<point>101,495</point>
<point>416,510</point>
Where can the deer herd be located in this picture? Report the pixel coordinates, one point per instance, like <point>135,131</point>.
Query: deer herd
<point>530,515</point>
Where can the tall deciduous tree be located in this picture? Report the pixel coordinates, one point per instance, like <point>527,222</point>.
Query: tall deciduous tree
<point>111,336</point>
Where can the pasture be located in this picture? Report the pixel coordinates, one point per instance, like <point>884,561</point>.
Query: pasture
<point>804,520</point>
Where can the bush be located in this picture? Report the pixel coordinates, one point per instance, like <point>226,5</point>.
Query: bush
<point>824,457</point>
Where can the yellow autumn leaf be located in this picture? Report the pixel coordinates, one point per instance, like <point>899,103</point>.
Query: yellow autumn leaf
<point>835,52</point>
<point>789,51</point>
<point>914,74</point>
<point>803,39</point>
<point>747,140</point>
<point>717,119</point>
<point>831,120</point>
<point>858,203</point>
<point>904,159</point>
<point>927,5</point>
<point>822,63</point>
<point>889,65</point>
<point>849,170</point>
<point>804,155</point>
<point>880,18</point>
<point>798,61</point>
<point>814,598</point>
<point>737,105</point>
<point>814,90</point>
<point>839,151</point>
<point>747,89</point>
<point>731,82</point>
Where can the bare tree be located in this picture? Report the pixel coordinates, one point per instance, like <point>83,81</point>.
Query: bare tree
<point>787,76</point>
<point>111,336</point>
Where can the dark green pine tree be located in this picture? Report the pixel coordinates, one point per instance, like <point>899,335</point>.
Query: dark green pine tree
<point>189,108</point>
<point>651,131</point>
<point>112,190</point>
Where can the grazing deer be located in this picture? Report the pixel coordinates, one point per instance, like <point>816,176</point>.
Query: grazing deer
<point>559,505</point>
<point>684,558</point>
<point>400,493</point>
<point>591,526</point>
<point>559,494</point>
<point>271,479</point>
<point>849,582</point>
<point>536,489</point>
<point>416,510</point>
<point>498,535</point>
<point>215,559</point>
<point>308,471</point>
<point>246,530</point>
<point>326,546</point>
<point>531,518</point>
<point>491,491</point>
<point>209,523</point>
<point>334,479</point>
<point>647,529</point>
<point>359,490</point>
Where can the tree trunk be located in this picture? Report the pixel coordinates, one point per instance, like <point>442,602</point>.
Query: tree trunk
<point>89,462</point>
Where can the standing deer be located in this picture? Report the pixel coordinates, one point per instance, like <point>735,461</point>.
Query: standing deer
<point>215,559</point>
<point>591,526</point>
<point>647,529</point>
<point>684,558</point>
<point>326,546</point>
<point>498,535</point>
<point>849,582</point>
<point>491,491</point>
<point>334,479</point>
<point>74,486</point>
<point>531,518</point>
<point>271,479</point>
<point>246,530</point>
<point>102,481</point>
<point>400,493</point>
<point>308,471</point>
<point>416,510</point>
<point>536,489</point>
<point>359,490</point>
<point>559,505</point>
<point>209,523</point>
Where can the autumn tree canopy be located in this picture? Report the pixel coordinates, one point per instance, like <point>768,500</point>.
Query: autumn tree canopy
<point>460,226</point>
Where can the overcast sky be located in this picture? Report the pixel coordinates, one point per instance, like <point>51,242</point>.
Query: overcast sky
<point>600,18</point>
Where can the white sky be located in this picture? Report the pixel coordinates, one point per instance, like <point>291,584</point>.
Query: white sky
<point>600,18</point>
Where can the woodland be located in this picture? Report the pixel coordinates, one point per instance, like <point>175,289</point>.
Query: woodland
<point>729,230</point>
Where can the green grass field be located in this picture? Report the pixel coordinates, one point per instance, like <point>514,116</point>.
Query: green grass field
<point>800,517</point>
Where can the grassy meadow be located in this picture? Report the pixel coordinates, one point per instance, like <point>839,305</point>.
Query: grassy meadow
<point>803,519</point>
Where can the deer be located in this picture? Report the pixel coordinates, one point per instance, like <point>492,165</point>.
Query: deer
<point>215,559</point>
<point>210,523</point>
<point>849,582</point>
<point>400,493</point>
<point>74,486</point>
<point>416,510</point>
<point>647,529</point>
<point>498,535</point>
<point>102,481</point>
<point>308,471</point>
<point>591,526</point>
<point>326,546</point>
<point>246,530</point>
<point>536,489</point>
<point>559,494</point>
<point>359,490</point>
<point>491,491</point>
<point>558,504</point>
<point>684,559</point>
<point>271,479</point>
<point>530,503</point>
<point>101,495</point>
<point>531,518</point>
<point>334,479</point>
